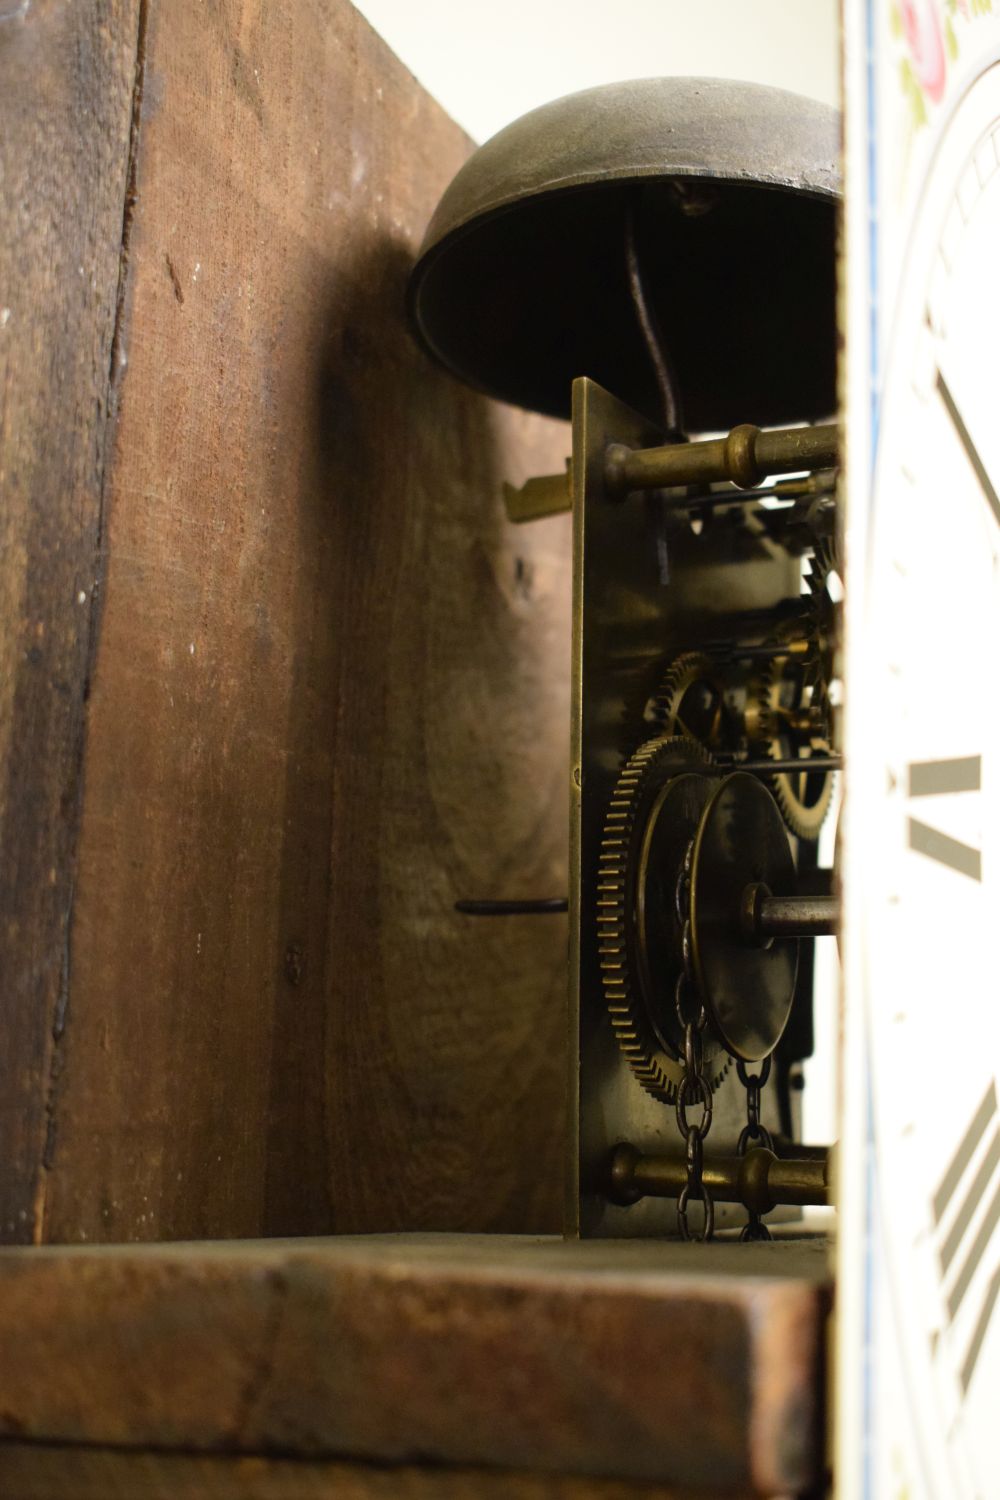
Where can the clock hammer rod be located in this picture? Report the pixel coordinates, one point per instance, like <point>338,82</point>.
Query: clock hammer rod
<point>746,456</point>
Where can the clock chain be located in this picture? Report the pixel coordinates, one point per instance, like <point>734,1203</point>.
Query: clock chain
<point>694,1086</point>
<point>754,1134</point>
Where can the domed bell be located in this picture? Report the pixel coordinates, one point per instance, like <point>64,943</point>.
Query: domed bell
<point>702,208</point>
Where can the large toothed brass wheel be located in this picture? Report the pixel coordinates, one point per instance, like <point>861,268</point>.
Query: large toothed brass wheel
<point>649,830</point>
<point>691,700</point>
<point>794,715</point>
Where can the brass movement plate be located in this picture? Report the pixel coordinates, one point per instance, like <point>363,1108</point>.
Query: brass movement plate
<point>646,588</point>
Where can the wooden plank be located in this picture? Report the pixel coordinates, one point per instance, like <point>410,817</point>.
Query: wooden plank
<point>330,690</point>
<point>686,1364</point>
<point>37,1472</point>
<point>67,75</point>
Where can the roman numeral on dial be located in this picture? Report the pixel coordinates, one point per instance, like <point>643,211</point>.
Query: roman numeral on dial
<point>932,778</point>
<point>963,1240</point>
<point>971,451</point>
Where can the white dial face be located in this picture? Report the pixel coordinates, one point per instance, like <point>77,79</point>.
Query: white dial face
<point>932,882</point>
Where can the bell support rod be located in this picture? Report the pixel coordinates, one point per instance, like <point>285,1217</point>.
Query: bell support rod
<point>759,1180</point>
<point>745,457</point>
<point>544,495</point>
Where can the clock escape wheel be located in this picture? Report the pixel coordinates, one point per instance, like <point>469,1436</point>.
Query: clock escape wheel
<point>649,829</point>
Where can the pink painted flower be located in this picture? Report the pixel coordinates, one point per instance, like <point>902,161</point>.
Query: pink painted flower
<point>923,37</point>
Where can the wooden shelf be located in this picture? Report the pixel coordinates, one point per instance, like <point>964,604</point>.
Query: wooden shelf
<point>689,1365</point>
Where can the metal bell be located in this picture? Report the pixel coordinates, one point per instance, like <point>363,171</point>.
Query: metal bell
<point>672,232</point>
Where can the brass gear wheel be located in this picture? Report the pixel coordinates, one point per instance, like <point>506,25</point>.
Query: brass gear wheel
<point>654,811</point>
<point>794,717</point>
<point>690,700</point>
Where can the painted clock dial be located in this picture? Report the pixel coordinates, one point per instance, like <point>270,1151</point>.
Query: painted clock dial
<point>931,900</point>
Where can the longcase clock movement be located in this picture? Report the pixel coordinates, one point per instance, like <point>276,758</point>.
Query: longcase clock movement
<point>657,260</point>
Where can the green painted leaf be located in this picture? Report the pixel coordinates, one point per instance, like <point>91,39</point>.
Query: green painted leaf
<point>913,92</point>
<point>951,40</point>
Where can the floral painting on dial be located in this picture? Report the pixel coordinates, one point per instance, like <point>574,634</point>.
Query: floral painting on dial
<point>930,34</point>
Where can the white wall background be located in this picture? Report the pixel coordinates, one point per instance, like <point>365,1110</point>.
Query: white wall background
<point>488,61</point>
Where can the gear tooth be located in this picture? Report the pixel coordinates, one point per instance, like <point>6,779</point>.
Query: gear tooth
<point>803,820</point>
<point>629,1024</point>
<point>683,672</point>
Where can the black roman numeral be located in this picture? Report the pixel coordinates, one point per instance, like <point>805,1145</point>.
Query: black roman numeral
<point>971,451</point>
<point>931,778</point>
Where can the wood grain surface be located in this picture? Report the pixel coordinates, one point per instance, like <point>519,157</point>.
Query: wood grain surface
<point>32,1471</point>
<point>686,1364</point>
<point>326,689</point>
<point>67,78</point>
